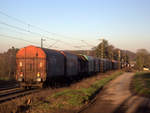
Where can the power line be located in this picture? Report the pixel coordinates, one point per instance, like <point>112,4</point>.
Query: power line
<point>87,43</point>
<point>21,29</point>
<point>53,44</point>
<point>30,25</point>
<point>33,26</point>
<point>16,38</point>
<point>12,30</point>
<point>13,18</point>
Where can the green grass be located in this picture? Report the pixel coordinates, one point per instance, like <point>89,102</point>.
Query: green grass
<point>141,84</point>
<point>5,78</point>
<point>69,97</point>
<point>72,99</point>
<point>77,97</point>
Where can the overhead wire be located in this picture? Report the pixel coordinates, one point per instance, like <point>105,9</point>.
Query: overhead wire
<point>17,38</point>
<point>87,43</point>
<point>30,25</point>
<point>29,31</point>
<point>53,44</point>
<point>18,20</point>
<point>25,23</point>
<point>19,28</point>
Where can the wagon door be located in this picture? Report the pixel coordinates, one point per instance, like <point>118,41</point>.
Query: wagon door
<point>35,67</point>
<point>25,68</point>
<point>30,69</point>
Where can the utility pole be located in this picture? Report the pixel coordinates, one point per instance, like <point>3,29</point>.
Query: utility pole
<point>102,55</point>
<point>102,49</point>
<point>42,42</point>
<point>112,56</point>
<point>119,56</point>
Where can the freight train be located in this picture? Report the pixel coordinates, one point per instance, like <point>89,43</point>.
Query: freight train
<point>37,66</point>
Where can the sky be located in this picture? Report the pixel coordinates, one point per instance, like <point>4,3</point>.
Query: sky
<point>75,24</point>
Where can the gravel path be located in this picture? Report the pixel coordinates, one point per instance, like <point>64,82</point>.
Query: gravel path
<point>117,98</point>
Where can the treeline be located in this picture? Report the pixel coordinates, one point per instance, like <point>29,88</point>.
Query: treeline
<point>142,59</point>
<point>8,64</point>
<point>106,50</point>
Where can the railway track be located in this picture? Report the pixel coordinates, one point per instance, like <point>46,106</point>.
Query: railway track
<point>8,85</point>
<point>15,93</point>
<point>8,82</point>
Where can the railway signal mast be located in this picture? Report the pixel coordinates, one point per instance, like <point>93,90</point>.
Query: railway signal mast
<point>42,40</point>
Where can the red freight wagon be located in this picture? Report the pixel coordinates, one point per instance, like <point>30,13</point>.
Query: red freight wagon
<point>36,65</point>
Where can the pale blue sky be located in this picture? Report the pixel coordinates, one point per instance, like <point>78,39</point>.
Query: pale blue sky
<point>124,23</point>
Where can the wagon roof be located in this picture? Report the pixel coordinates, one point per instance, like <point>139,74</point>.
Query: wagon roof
<point>31,52</point>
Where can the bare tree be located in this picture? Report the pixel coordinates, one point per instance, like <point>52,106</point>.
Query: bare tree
<point>142,59</point>
<point>8,63</point>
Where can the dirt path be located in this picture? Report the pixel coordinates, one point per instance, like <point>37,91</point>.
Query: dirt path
<point>116,98</point>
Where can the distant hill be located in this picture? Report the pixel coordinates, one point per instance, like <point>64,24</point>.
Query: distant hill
<point>132,55</point>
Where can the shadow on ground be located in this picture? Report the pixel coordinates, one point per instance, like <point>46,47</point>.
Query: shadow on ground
<point>134,104</point>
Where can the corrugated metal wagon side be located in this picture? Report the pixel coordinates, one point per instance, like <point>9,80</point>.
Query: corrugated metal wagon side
<point>71,64</point>
<point>114,64</point>
<point>91,66</point>
<point>55,67</point>
<point>97,65</point>
<point>55,63</point>
<point>83,65</point>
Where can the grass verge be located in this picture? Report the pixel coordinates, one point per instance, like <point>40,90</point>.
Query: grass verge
<point>141,84</point>
<point>5,78</point>
<point>76,98</point>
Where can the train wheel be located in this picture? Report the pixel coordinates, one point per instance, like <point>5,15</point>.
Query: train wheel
<point>26,87</point>
<point>22,86</point>
<point>29,87</point>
